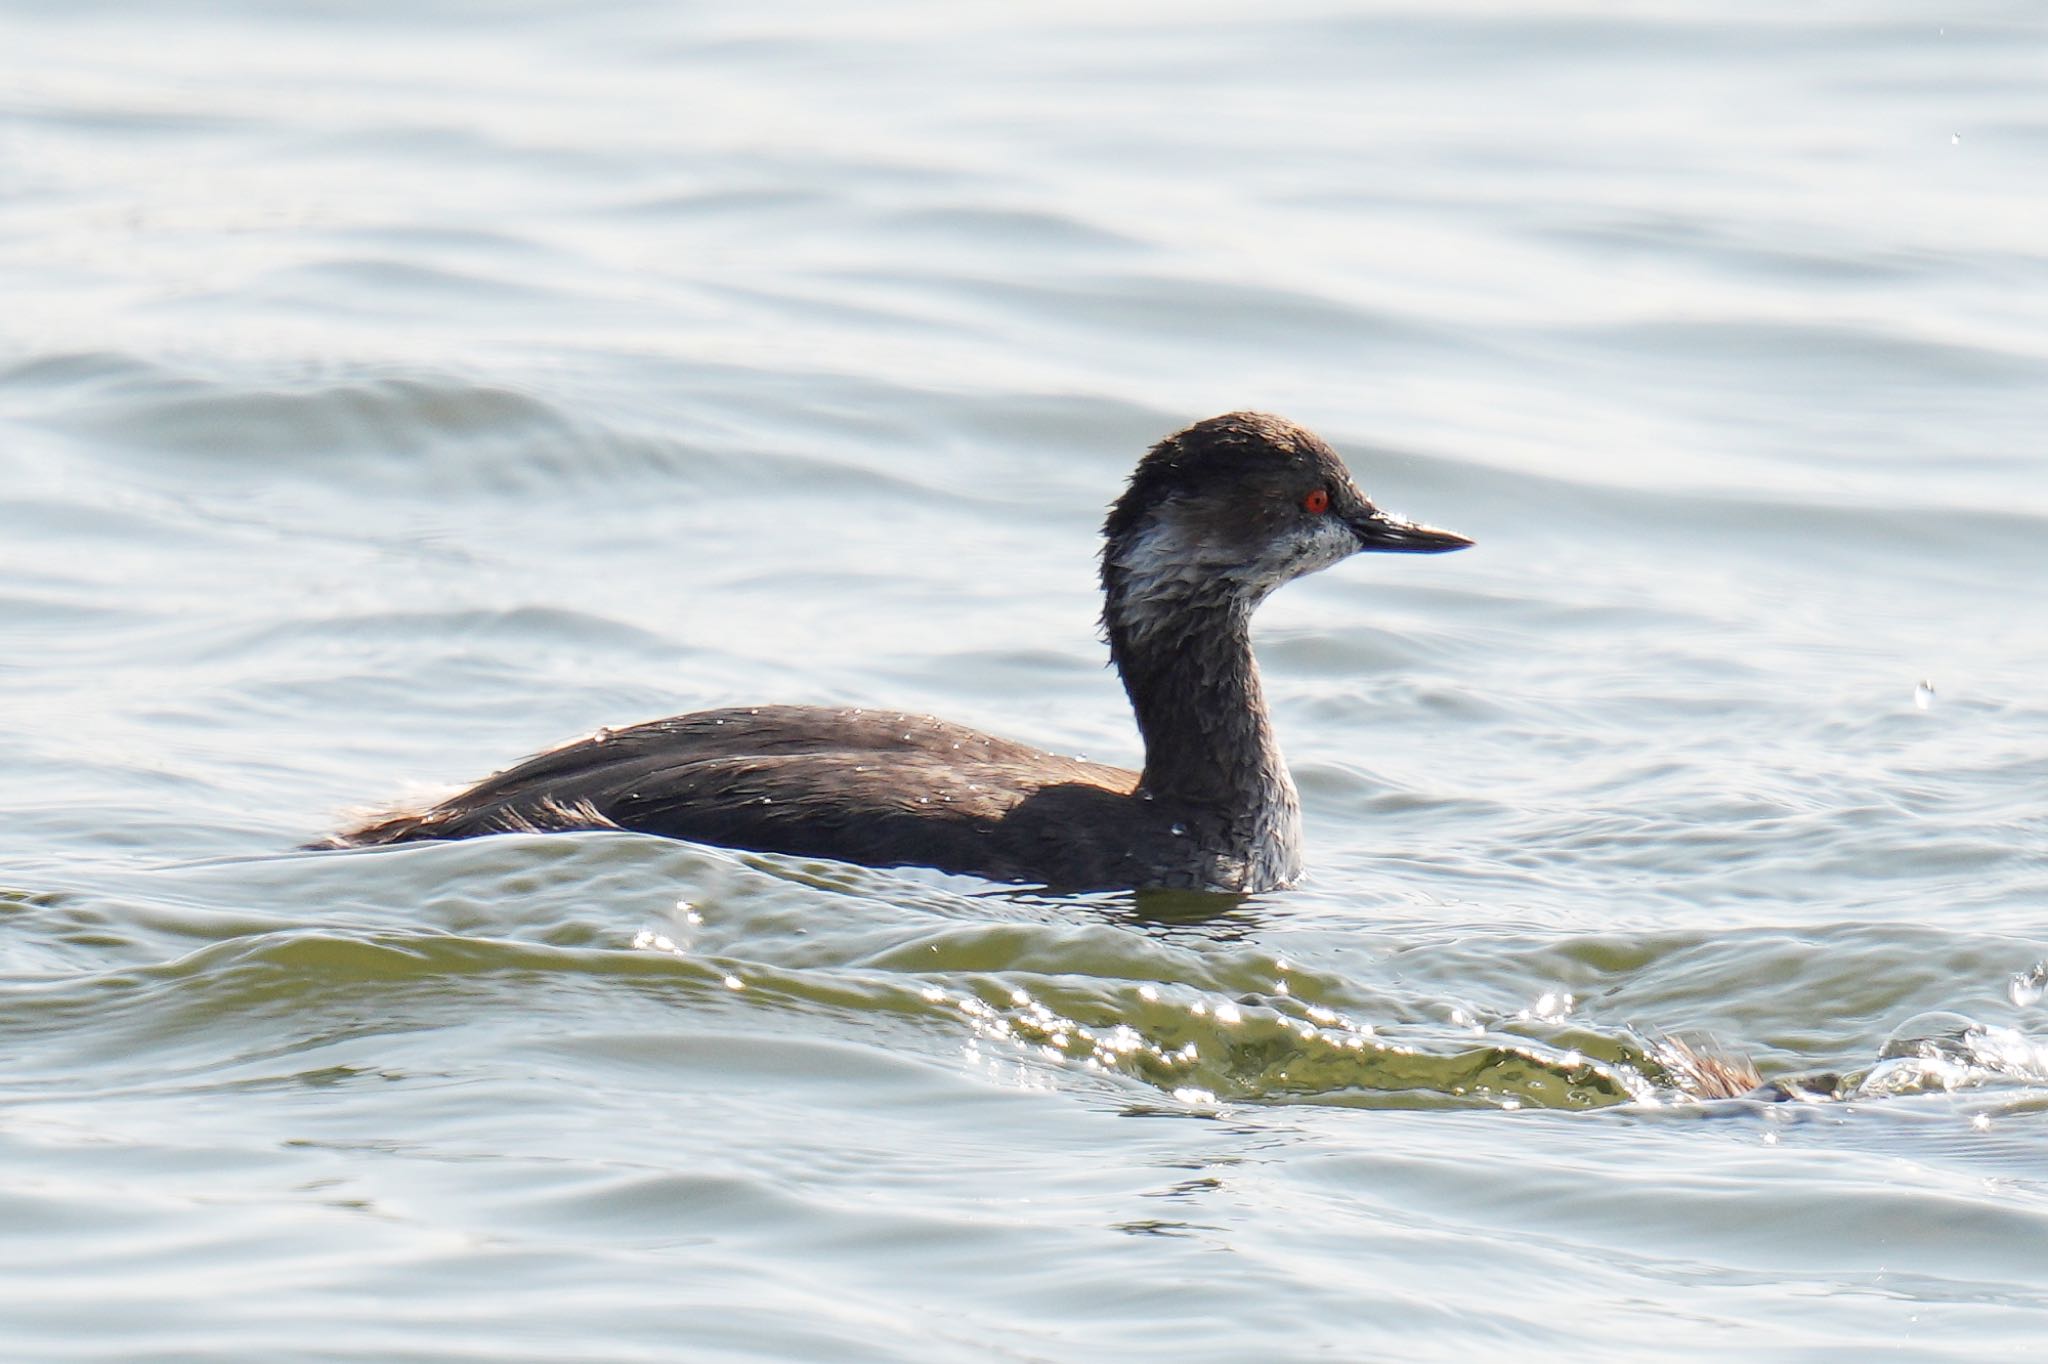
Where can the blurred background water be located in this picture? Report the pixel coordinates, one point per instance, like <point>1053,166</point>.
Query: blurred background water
<point>389,391</point>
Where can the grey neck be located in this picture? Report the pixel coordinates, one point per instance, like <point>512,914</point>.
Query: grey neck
<point>1186,662</point>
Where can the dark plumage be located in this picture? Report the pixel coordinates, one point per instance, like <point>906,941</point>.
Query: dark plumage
<point>1214,517</point>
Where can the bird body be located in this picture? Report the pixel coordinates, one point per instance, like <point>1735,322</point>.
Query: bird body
<point>1214,518</point>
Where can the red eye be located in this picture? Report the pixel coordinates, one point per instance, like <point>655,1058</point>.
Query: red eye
<point>1317,502</point>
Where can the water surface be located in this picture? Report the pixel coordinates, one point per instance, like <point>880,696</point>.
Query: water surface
<point>388,392</point>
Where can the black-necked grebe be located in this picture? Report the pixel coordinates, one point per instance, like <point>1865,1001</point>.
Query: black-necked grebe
<point>1214,518</point>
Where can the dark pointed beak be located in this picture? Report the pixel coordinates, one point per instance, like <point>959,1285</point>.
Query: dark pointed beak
<point>1390,534</point>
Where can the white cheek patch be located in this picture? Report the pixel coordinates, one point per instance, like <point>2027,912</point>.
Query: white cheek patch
<point>1169,563</point>
<point>1168,559</point>
<point>1310,549</point>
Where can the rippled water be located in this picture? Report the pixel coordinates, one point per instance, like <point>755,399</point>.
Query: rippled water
<point>388,392</point>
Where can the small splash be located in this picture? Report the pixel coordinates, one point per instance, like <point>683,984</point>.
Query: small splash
<point>1923,695</point>
<point>1944,1051</point>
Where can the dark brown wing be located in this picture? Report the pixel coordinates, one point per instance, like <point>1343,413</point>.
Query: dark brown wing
<point>876,787</point>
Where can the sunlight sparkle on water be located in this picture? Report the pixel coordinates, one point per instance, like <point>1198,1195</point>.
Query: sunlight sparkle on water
<point>647,940</point>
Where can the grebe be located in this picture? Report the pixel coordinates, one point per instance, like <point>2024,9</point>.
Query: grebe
<point>1214,518</point>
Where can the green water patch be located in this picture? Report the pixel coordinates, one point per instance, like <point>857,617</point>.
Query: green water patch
<point>1195,1002</point>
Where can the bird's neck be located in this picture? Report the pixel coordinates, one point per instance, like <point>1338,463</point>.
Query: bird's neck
<point>1186,662</point>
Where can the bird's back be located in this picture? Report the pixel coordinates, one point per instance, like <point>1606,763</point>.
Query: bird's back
<point>877,787</point>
